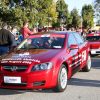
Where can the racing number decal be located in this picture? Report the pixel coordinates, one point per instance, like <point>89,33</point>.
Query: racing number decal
<point>84,56</point>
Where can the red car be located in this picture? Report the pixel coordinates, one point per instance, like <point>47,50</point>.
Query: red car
<point>45,61</point>
<point>94,41</point>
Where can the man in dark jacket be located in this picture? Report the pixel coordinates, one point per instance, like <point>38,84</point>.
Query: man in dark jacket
<point>6,40</point>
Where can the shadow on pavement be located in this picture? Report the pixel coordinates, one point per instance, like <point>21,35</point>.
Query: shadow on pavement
<point>84,82</point>
<point>15,92</point>
<point>96,63</point>
<point>10,92</point>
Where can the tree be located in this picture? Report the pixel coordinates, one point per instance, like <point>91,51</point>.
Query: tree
<point>68,21</point>
<point>76,19</point>
<point>52,14</point>
<point>35,11</point>
<point>97,10</point>
<point>12,13</point>
<point>87,16</point>
<point>62,9</point>
<point>46,12</point>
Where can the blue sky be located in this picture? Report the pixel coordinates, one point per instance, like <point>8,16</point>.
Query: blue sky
<point>77,4</point>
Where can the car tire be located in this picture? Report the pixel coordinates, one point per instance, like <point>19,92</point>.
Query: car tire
<point>61,80</point>
<point>87,68</point>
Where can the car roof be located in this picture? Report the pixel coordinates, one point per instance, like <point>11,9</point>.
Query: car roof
<point>62,32</point>
<point>53,32</point>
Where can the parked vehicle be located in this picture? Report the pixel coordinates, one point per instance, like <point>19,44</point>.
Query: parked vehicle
<point>94,41</point>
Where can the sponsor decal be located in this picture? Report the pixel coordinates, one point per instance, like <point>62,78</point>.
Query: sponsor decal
<point>23,54</point>
<point>76,63</point>
<point>18,60</point>
<point>84,56</point>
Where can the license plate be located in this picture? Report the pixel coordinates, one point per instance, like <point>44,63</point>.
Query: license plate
<point>93,52</point>
<point>8,79</point>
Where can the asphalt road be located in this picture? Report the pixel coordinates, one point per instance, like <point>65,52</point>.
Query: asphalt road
<point>82,86</point>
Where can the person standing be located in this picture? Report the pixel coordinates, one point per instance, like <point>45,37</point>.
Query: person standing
<point>25,30</point>
<point>15,36</point>
<point>6,40</point>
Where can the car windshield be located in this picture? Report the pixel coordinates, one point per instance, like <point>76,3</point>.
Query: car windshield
<point>45,42</point>
<point>93,38</point>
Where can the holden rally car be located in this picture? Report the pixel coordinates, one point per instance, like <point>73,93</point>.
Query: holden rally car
<point>45,61</point>
<point>94,41</point>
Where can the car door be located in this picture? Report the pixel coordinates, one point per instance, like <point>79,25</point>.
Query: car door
<point>83,49</point>
<point>75,63</point>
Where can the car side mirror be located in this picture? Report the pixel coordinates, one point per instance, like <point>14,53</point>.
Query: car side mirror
<point>73,46</point>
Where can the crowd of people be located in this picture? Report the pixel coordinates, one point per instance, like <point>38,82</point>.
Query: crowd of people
<point>10,37</point>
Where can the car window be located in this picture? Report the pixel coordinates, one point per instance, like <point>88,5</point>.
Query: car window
<point>79,38</point>
<point>71,40</point>
<point>42,43</point>
<point>93,38</point>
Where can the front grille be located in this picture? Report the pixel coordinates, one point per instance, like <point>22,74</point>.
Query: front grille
<point>97,51</point>
<point>15,68</point>
<point>14,84</point>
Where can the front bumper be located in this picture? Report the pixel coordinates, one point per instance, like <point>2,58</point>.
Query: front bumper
<point>95,51</point>
<point>32,80</point>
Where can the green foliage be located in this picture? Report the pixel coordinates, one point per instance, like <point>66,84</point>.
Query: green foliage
<point>46,12</point>
<point>69,21</point>
<point>62,9</point>
<point>76,19</point>
<point>87,15</point>
<point>37,12</point>
<point>97,10</point>
<point>55,24</point>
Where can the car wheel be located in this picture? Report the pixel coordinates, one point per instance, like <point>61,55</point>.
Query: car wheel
<point>62,79</point>
<point>87,68</point>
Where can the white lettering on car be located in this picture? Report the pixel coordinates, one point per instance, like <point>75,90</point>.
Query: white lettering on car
<point>28,61</point>
<point>84,56</point>
<point>24,54</point>
<point>3,61</point>
<point>75,63</point>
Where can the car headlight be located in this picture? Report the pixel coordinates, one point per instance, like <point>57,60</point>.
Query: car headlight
<point>43,66</point>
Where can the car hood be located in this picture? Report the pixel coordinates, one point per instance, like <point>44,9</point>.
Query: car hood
<point>29,56</point>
